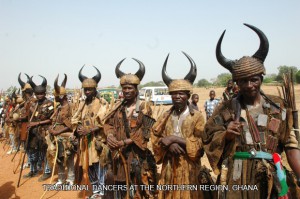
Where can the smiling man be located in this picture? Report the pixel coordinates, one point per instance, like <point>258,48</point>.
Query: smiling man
<point>176,138</point>
<point>245,135</point>
<point>127,128</point>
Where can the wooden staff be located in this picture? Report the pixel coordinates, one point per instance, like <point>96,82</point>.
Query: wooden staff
<point>56,110</point>
<point>78,177</point>
<point>53,169</point>
<point>85,165</point>
<point>126,173</point>
<point>279,93</point>
<point>15,170</point>
<point>25,146</point>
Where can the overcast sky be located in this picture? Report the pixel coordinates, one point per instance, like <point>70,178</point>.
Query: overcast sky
<point>51,37</point>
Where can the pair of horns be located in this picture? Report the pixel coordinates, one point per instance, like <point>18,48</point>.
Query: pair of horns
<point>96,77</point>
<point>260,54</point>
<point>33,85</point>
<point>63,84</point>
<point>140,73</point>
<point>22,84</point>
<point>191,76</point>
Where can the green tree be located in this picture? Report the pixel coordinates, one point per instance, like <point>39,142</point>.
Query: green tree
<point>270,78</point>
<point>222,79</point>
<point>298,77</point>
<point>203,83</point>
<point>286,69</point>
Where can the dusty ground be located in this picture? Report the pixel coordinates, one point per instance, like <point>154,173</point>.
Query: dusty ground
<point>31,188</point>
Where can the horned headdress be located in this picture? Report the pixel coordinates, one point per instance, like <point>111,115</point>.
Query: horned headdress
<point>89,82</point>
<point>60,90</point>
<point>130,78</point>
<point>40,88</point>
<point>24,85</point>
<point>185,84</point>
<point>245,66</point>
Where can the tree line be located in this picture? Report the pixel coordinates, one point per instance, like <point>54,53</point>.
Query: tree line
<point>222,78</point>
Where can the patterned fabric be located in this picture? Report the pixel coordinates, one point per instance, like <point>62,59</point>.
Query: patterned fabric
<point>210,106</point>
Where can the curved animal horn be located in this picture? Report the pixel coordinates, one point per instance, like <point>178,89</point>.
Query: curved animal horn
<point>56,87</point>
<point>165,77</point>
<point>64,82</point>
<point>263,49</point>
<point>141,72</point>
<point>98,76</point>
<point>191,76</point>
<point>226,63</point>
<point>80,76</point>
<point>118,72</point>
<point>44,83</point>
<point>27,77</point>
<point>22,84</point>
<point>32,84</point>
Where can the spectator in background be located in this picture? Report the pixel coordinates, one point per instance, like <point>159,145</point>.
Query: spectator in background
<point>194,101</point>
<point>211,104</point>
<point>235,90</point>
<point>228,92</point>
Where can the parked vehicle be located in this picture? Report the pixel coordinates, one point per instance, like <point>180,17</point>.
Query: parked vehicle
<point>108,93</point>
<point>155,94</point>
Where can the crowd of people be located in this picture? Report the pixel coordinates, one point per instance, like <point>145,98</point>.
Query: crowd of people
<point>88,142</point>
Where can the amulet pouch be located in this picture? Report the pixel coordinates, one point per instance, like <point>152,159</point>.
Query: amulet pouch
<point>87,122</point>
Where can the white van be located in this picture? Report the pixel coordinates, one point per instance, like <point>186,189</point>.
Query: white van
<point>156,94</point>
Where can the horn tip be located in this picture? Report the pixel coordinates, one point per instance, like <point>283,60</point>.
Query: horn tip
<point>248,25</point>
<point>223,33</point>
<point>135,59</point>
